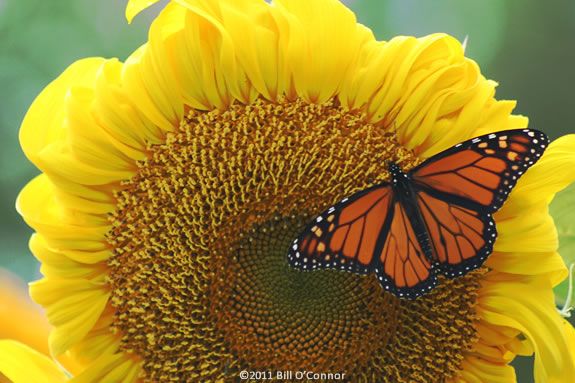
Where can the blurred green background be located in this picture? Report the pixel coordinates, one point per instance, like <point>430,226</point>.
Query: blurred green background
<point>525,45</point>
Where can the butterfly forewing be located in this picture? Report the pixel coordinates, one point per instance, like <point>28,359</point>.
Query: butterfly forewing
<point>482,171</point>
<point>345,235</point>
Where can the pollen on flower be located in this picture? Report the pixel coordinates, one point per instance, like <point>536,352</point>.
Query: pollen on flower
<point>199,277</point>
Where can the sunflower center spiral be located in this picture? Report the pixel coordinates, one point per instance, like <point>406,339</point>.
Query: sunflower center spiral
<point>199,277</point>
<point>279,318</point>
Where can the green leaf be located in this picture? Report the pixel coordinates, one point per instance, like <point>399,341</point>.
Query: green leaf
<point>562,209</point>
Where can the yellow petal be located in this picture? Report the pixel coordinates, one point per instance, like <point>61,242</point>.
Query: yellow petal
<point>254,28</point>
<point>57,264</point>
<point>110,368</point>
<point>73,307</point>
<point>21,364</point>
<point>426,90</point>
<point>57,159</point>
<point>527,304</point>
<point>319,69</point>
<point>531,231</point>
<point>494,335</point>
<point>44,121</point>
<point>551,174</point>
<point>88,141</point>
<point>216,78</point>
<point>486,371</point>
<point>149,92</point>
<point>229,48</point>
<point>529,263</point>
<point>72,136</point>
<point>97,342</point>
<point>206,73</point>
<point>130,130</point>
<point>61,229</point>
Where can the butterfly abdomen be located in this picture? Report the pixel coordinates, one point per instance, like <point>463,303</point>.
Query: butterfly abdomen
<point>425,243</point>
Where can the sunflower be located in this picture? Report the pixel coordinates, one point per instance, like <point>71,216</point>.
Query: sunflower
<point>173,184</point>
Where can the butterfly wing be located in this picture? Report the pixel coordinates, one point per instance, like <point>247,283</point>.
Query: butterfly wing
<point>456,192</point>
<point>345,236</point>
<point>482,171</point>
<point>459,189</point>
<point>403,268</point>
<point>461,237</point>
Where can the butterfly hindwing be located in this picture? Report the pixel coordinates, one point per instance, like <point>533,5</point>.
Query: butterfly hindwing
<point>482,171</point>
<point>344,236</point>
<point>403,267</point>
<point>462,238</point>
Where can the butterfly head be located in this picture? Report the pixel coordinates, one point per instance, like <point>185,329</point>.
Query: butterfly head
<point>393,168</point>
<point>397,175</point>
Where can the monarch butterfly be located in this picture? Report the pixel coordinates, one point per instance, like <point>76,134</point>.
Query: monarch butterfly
<point>435,218</point>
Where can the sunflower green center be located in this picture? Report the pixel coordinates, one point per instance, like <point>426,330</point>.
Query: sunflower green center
<point>199,277</point>
<point>290,319</point>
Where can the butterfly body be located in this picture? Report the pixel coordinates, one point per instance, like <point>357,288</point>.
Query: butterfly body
<point>402,186</point>
<point>435,218</point>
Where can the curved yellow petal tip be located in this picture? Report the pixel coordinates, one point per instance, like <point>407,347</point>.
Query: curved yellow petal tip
<point>44,121</point>
<point>22,364</point>
<point>136,6</point>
